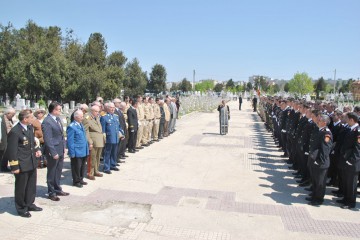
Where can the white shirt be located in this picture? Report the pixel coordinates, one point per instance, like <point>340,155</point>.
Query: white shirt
<point>24,126</point>
<point>335,124</point>
<point>354,126</point>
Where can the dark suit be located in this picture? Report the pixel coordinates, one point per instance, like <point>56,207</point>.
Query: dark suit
<point>21,155</point>
<point>133,127</point>
<point>123,142</point>
<point>54,145</point>
<point>240,102</point>
<point>350,164</point>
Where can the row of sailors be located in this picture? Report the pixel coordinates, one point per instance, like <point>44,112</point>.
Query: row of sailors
<point>320,142</point>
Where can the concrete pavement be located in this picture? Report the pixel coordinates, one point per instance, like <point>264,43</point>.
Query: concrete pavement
<point>195,184</point>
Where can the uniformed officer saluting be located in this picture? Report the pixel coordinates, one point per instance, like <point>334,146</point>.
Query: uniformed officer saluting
<point>113,132</point>
<point>22,154</point>
<point>319,160</point>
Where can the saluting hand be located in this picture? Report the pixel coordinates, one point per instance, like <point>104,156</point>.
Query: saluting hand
<point>16,171</point>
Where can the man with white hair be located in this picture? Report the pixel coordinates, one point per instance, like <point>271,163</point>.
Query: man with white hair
<point>6,125</point>
<point>78,148</point>
<point>113,132</point>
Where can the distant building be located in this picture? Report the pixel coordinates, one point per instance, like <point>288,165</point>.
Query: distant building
<point>355,90</point>
<point>252,78</point>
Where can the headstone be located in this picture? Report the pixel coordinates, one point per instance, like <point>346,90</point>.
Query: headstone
<point>72,105</point>
<point>66,108</point>
<point>27,103</point>
<point>36,106</point>
<point>20,104</point>
<point>48,102</point>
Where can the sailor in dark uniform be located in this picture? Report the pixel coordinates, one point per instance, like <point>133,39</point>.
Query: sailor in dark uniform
<point>22,153</point>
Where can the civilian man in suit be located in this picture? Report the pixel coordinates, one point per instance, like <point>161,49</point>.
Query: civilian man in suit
<point>350,162</point>
<point>22,154</point>
<point>122,142</point>
<point>6,125</point>
<point>95,139</point>
<point>112,131</point>
<point>123,122</point>
<point>133,126</point>
<point>240,102</point>
<point>78,149</point>
<point>54,150</point>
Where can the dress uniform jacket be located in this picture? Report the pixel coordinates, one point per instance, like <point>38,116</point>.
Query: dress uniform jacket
<point>76,140</point>
<point>350,150</point>
<point>132,119</point>
<point>21,148</point>
<point>3,139</point>
<point>111,127</point>
<point>321,147</point>
<point>94,131</point>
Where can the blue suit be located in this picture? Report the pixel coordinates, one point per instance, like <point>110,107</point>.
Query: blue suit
<point>111,128</point>
<point>76,141</point>
<point>78,150</point>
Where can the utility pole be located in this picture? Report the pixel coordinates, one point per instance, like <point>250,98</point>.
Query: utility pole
<point>334,81</point>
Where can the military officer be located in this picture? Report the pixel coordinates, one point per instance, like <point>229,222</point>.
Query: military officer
<point>95,139</point>
<point>133,126</point>
<point>142,121</point>
<point>78,148</point>
<point>350,161</point>
<point>113,132</point>
<point>157,117</point>
<point>319,160</point>
<point>147,115</point>
<point>22,153</point>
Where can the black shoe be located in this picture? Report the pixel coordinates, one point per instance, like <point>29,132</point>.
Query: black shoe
<point>107,172</point>
<point>118,163</point>
<point>121,158</point>
<point>298,177</point>
<point>301,181</point>
<point>315,203</point>
<point>63,193</point>
<point>124,156</point>
<point>131,151</point>
<point>348,206</point>
<point>35,209</point>
<point>308,189</point>
<point>83,182</point>
<point>305,184</point>
<point>295,173</point>
<point>114,169</point>
<point>25,215</point>
<point>331,183</point>
<point>139,147</point>
<point>309,199</point>
<point>121,162</point>
<point>54,198</point>
<point>79,185</point>
<point>341,201</point>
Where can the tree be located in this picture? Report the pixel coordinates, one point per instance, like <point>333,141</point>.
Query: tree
<point>174,87</point>
<point>218,87</point>
<point>135,79</point>
<point>249,86</point>
<point>346,86</point>
<point>204,85</point>
<point>116,58</point>
<point>95,51</point>
<point>261,83</point>
<point>319,86</point>
<point>286,87</point>
<point>185,85</point>
<point>301,84</point>
<point>157,81</point>
<point>230,84</point>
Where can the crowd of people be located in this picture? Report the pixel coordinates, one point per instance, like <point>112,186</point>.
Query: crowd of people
<point>320,142</point>
<point>103,131</point>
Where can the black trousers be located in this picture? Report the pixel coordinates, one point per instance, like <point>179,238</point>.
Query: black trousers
<point>318,182</point>
<point>350,178</point>
<point>78,169</point>
<point>4,162</point>
<point>54,170</point>
<point>132,139</point>
<point>161,129</point>
<point>25,190</point>
<point>284,141</point>
<point>240,106</point>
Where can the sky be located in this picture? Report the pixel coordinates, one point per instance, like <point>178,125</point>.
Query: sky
<point>218,39</point>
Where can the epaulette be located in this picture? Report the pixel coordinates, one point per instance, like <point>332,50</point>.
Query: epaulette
<point>71,124</point>
<point>116,114</point>
<point>87,117</point>
<point>103,114</point>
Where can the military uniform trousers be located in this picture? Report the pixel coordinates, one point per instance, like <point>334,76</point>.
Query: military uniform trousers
<point>25,190</point>
<point>78,169</point>
<point>140,133</point>
<point>155,129</point>
<point>350,178</point>
<point>54,170</point>
<point>110,155</point>
<point>166,128</point>
<point>149,130</point>
<point>318,182</point>
<point>95,155</point>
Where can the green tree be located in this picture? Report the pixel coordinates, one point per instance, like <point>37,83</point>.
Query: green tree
<point>157,81</point>
<point>286,87</point>
<point>95,51</point>
<point>230,84</point>
<point>319,86</point>
<point>135,80</point>
<point>261,83</point>
<point>249,86</point>
<point>204,85</point>
<point>218,87</point>
<point>185,85</point>
<point>346,86</point>
<point>116,58</point>
<point>174,87</point>
<point>301,84</point>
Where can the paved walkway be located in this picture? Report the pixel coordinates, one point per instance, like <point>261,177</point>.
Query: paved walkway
<point>195,184</point>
